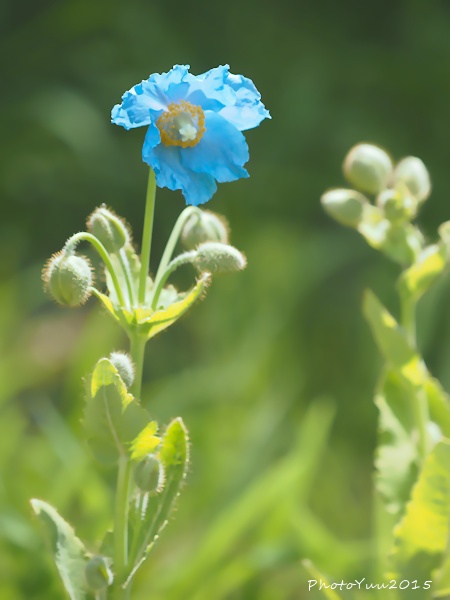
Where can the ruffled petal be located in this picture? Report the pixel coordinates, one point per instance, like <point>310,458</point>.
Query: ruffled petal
<point>152,139</point>
<point>145,101</point>
<point>248,111</point>
<point>221,152</point>
<point>210,90</point>
<point>197,188</point>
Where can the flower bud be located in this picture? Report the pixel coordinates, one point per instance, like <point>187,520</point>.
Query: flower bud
<point>204,227</point>
<point>444,232</point>
<point>149,475</point>
<point>368,168</point>
<point>68,278</point>
<point>98,573</point>
<point>108,228</point>
<point>413,173</point>
<point>398,204</point>
<point>215,257</point>
<point>124,367</point>
<point>345,206</point>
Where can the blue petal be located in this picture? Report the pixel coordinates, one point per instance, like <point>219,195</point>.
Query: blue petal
<point>152,139</point>
<point>209,90</point>
<point>248,111</point>
<point>197,188</point>
<point>145,101</point>
<point>221,152</point>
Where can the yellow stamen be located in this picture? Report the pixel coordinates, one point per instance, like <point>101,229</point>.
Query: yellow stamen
<point>183,124</point>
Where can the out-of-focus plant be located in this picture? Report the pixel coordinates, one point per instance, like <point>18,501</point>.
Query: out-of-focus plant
<point>412,459</point>
<point>194,139</point>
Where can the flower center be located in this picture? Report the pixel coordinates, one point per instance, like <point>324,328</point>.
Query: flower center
<point>183,124</point>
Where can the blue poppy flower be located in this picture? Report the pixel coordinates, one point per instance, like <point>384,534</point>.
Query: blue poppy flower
<point>194,137</point>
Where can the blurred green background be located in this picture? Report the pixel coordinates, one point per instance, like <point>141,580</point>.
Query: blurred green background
<point>274,371</point>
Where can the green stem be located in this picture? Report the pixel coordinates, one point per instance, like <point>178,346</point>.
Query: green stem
<point>127,274</point>
<point>420,406</point>
<point>173,239</point>
<point>182,259</point>
<point>137,351</point>
<point>147,235</point>
<point>121,525</point>
<point>88,237</point>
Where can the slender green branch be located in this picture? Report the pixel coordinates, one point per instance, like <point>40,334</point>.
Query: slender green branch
<point>88,237</point>
<point>137,350</point>
<point>173,239</point>
<point>121,521</point>
<point>127,274</point>
<point>147,235</point>
<point>182,259</point>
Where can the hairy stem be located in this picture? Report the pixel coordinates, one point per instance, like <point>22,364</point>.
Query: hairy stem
<point>121,525</point>
<point>147,235</point>
<point>88,237</point>
<point>173,239</point>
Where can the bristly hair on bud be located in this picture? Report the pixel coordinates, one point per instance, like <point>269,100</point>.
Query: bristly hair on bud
<point>204,226</point>
<point>112,231</point>
<point>215,257</point>
<point>124,367</point>
<point>68,278</point>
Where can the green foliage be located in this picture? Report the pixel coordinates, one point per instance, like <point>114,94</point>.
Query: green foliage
<point>396,459</point>
<point>69,552</point>
<point>416,280</point>
<point>421,538</point>
<point>149,512</point>
<point>112,417</point>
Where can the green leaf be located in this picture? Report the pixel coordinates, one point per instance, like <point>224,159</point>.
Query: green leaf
<point>112,417</point>
<point>439,405</point>
<point>149,514</point>
<point>420,539</point>
<point>430,263</point>
<point>69,552</point>
<point>392,341</point>
<point>145,442</point>
<point>396,456</point>
<point>149,322</point>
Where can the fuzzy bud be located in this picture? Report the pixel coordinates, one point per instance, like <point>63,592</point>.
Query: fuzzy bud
<point>413,173</point>
<point>108,228</point>
<point>68,278</point>
<point>215,257</point>
<point>204,227</point>
<point>345,206</point>
<point>149,475</point>
<point>98,573</point>
<point>368,168</point>
<point>124,366</point>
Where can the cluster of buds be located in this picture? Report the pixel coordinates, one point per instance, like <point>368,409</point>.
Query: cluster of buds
<point>398,191</point>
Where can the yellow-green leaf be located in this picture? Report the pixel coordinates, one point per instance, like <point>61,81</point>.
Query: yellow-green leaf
<point>112,417</point>
<point>145,442</point>
<point>420,539</point>
<point>430,263</point>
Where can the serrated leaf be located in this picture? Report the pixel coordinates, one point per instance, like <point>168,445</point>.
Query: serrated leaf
<point>416,280</point>
<point>69,551</point>
<point>145,442</point>
<point>420,539</point>
<point>148,519</point>
<point>392,340</point>
<point>397,456</point>
<point>112,417</point>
